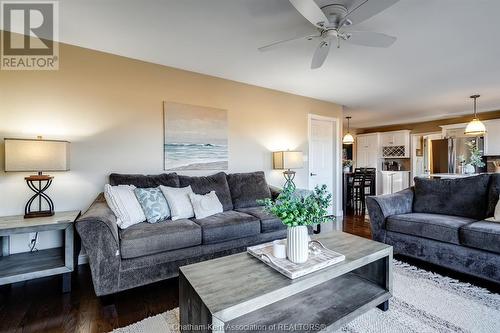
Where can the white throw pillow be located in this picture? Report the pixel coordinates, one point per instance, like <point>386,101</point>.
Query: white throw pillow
<point>496,218</point>
<point>205,205</point>
<point>178,201</point>
<point>123,202</point>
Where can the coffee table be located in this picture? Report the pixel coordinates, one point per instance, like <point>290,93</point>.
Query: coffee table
<point>239,293</point>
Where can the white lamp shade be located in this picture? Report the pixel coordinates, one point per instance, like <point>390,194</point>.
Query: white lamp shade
<point>36,155</point>
<point>475,127</point>
<point>288,160</point>
<point>348,139</point>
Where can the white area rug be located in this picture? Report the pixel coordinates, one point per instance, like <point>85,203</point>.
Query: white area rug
<point>422,302</point>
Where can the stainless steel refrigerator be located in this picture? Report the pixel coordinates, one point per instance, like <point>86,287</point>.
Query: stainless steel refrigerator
<point>447,153</point>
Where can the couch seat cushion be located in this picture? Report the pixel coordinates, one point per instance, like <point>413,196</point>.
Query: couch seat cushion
<point>444,228</point>
<point>467,197</point>
<point>484,235</point>
<point>145,238</point>
<point>227,226</point>
<point>206,184</point>
<point>268,222</point>
<point>247,188</point>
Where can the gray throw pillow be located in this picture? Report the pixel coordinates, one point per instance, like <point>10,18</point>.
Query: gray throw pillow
<point>153,204</point>
<point>466,197</point>
<point>247,188</point>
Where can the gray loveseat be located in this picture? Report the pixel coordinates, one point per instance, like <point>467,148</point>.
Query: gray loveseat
<point>145,253</point>
<point>442,221</point>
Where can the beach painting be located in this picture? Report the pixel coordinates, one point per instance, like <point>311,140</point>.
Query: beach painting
<point>195,137</point>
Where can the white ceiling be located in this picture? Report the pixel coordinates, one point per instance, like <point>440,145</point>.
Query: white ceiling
<point>446,50</point>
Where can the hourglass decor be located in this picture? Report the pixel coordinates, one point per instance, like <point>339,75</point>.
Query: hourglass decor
<point>25,155</point>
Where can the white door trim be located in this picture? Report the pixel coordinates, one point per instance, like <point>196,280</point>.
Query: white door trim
<point>337,159</point>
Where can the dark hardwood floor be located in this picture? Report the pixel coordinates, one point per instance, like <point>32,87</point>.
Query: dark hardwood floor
<point>39,305</point>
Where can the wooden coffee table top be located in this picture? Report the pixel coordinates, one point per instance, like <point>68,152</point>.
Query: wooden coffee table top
<point>238,284</point>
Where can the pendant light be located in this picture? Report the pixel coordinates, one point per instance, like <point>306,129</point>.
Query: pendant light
<point>475,127</point>
<point>348,138</point>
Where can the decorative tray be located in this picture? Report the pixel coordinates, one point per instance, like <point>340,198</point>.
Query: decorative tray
<point>319,258</point>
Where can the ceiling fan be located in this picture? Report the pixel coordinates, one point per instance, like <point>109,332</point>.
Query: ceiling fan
<point>332,22</point>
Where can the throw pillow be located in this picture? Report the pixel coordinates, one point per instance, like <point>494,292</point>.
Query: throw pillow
<point>205,205</point>
<point>178,201</point>
<point>153,204</point>
<point>123,202</point>
<point>496,218</point>
<point>247,188</point>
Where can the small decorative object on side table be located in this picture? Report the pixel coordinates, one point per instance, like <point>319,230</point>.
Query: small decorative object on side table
<point>22,155</point>
<point>39,263</point>
<point>297,212</point>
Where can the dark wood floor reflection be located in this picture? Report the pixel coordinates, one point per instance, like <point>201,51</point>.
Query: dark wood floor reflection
<point>357,225</point>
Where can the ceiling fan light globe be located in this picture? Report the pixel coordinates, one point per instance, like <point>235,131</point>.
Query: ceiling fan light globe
<point>348,139</point>
<point>475,127</point>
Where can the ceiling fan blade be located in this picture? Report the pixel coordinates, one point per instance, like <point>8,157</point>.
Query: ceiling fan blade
<point>365,9</point>
<point>310,10</point>
<point>371,39</point>
<point>273,45</point>
<point>320,54</point>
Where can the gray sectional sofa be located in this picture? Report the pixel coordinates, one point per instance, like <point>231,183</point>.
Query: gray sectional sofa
<point>442,221</point>
<point>145,253</point>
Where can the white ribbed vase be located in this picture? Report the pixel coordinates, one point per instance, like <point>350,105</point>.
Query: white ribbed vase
<point>297,245</point>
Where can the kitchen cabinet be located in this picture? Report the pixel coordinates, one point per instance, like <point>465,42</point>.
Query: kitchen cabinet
<point>395,144</point>
<point>367,150</point>
<point>395,181</point>
<point>492,138</point>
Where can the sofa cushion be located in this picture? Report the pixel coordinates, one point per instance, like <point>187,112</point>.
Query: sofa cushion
<point>493,193</point>
<point>203,185</point>
<point>145,238</point>
<point>467,197</point>
<point>268,222</point>
<point>247,188</point>
<point>145,181</point>
<point>227,226</point>
<point>444,228</point>
<point>482,235</point>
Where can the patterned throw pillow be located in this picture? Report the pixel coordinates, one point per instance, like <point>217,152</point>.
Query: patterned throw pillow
<point>153,204</point>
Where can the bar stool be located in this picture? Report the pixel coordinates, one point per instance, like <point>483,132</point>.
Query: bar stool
<point>358,189</point>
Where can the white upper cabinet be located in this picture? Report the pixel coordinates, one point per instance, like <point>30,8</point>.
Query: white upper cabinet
<point>395,144</point>
<point>492,138</point>
<point>367,150</point>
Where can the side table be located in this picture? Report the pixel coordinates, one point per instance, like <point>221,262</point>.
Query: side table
<point>32,265</point>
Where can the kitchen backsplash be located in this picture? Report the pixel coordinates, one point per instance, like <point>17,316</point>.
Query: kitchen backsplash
<point>404,162</point>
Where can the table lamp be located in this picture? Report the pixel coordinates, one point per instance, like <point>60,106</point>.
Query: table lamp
<point>25,155</point>
<point>287,160</point>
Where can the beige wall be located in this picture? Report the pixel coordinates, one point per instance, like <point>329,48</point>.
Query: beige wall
<point>110,108</point>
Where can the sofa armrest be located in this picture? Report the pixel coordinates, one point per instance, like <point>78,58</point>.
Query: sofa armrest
<point>99,233</point>
<point>382,206</point>
<point>275,192</point>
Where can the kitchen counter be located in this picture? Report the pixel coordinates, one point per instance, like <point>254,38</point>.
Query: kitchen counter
<point>386,172</point>
<point>449,175</point>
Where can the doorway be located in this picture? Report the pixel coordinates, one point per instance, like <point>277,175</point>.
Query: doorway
<point>325,151</point>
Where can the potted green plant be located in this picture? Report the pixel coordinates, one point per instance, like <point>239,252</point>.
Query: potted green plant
<point>347,164</point>
<point>476,157</point>
<point>297,212</point>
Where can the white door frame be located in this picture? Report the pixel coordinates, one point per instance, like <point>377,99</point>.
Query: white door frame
<point>337,160</point>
